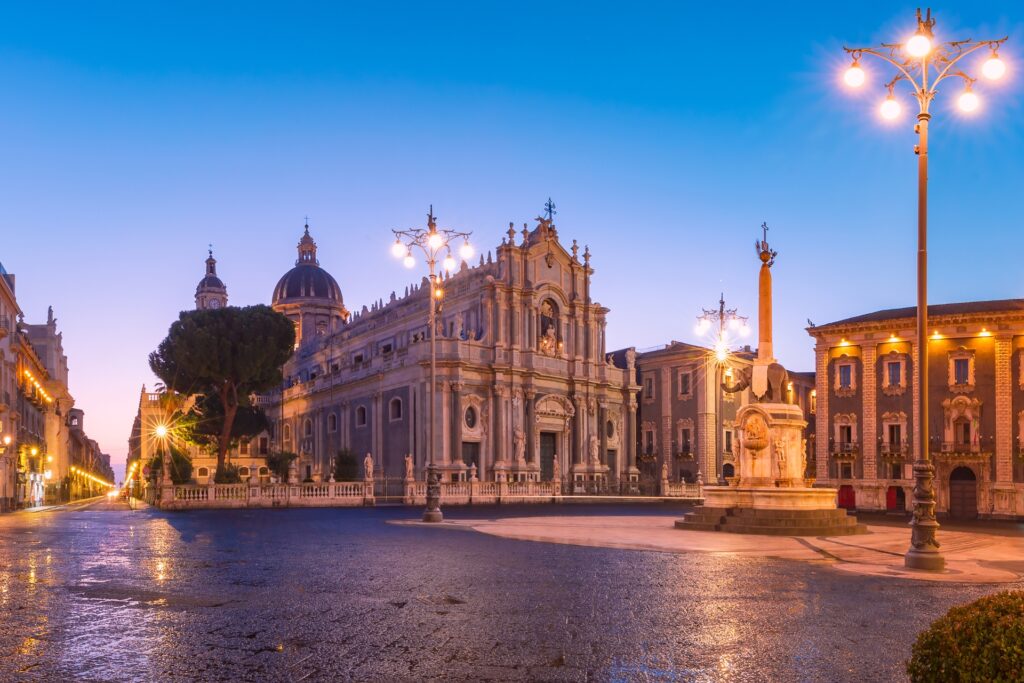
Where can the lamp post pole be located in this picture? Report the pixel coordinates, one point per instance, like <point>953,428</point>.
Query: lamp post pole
<point>914,62</point>
<point>431,242</point>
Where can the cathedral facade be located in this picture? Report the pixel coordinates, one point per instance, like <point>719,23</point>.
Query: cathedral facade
<point>524,389</point>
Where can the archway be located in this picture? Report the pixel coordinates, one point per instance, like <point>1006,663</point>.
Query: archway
<point>963,493</point>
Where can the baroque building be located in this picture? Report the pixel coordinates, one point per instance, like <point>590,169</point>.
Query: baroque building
<point>524,388</point>
<point>867,400</point>
<point>211,292</point>
<point>686,419</point>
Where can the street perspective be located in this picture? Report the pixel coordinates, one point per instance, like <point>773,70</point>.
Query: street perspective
<point>533,342</point>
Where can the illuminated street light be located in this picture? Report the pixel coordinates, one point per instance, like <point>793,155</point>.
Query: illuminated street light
<point>854,76</point>
<point>432,241</point>
<point>890,108</point>
<point>160,431</point>
<point>923,65</point>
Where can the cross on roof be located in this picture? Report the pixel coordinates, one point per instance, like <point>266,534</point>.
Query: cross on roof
<point>549,209</point>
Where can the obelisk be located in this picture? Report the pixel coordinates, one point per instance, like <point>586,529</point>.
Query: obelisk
<point>765,354</point>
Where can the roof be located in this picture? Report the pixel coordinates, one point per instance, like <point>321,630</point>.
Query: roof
<point>994,306</point>
<point>210,282</point>
<point>307,281</point>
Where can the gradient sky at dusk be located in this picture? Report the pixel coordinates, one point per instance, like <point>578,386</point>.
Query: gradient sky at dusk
<point>136,133</point>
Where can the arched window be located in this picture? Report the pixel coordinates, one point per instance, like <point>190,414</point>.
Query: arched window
<point>286,433</point>
<point>264,471</point>
<point>243,471</point>
<point>332,423</point>
<point>395,409</point>
<point>307,427</point>
<point>361,416</point>
<point>203,472</point>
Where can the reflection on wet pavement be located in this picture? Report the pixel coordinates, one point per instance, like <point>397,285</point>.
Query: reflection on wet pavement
<point>284,595</point>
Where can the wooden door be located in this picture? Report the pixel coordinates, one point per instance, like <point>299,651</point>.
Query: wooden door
<point>963,494</point>
<point>547,456</point>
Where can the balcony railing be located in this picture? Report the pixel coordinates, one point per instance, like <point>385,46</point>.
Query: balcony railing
<point>894,451</point>
<point>845,451</point>
<point>959,448</point>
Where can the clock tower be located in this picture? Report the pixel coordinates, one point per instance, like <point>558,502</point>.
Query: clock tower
<point>211,292</point>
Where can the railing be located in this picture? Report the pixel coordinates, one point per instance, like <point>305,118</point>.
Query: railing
<point>332,494</point>
<point>847,449</point>
<point>680,489</point>
<point>895,450</point>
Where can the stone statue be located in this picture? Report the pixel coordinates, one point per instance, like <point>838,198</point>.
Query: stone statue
<point>519,441</point>
<point>293,472</point>
<point>548,342</point>
<point>556,470</point>
<point>664,471</point>
<point>631,357</point>
<point>780,457</point>
<point>472,473</point>
<point>595,448</point>
<point>368,467</point>
<point>408,467</point>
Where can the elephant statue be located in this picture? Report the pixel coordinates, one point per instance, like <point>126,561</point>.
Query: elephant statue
<point>778,378</point>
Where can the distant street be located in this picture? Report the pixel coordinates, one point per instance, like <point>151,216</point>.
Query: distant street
<point>98,592</point>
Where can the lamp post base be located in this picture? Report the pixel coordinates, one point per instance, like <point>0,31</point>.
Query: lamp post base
<point>929,560</point>
<point>433,516</point>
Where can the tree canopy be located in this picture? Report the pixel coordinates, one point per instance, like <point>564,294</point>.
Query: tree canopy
<point>228,353</point>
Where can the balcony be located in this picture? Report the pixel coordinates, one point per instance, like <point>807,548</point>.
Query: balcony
<point>845,451</point>
<point>977,449</point>
<point>894,451</point>
<point>685,452</point>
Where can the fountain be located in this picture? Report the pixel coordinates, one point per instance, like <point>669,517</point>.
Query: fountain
<point>770,495</point>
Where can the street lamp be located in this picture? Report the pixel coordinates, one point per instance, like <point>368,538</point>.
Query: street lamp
<point>923,64</point>
<point>723,323</point>
<point>432,243</point>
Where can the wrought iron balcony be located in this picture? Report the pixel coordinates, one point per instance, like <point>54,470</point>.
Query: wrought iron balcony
<point>894,451</point>
<point>845,451</point>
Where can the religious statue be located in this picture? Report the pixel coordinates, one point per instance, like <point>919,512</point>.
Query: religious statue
<point>595,450</point>
<point>780,457</point>
<point>368,467</point>
<point>664,471</point>
<point>556,469</point>
<point>519,441</point>
<point>548,342</point>
<point>408,468</point>
<point>755,433</point>
<point>472,473</point>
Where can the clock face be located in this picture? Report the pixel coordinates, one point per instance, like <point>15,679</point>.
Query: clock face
<point>215,303</point>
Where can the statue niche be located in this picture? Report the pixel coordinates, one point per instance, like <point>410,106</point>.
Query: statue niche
<point>549,344</point>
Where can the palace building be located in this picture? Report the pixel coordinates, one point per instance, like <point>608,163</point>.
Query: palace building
<point>867,398</point>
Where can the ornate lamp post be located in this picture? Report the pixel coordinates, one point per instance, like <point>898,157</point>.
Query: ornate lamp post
<point>721,322</point>
<point>432,243</point>
<point>923,63</point>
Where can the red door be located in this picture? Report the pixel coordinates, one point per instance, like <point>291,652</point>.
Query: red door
<point>847,497</point>
<point>890,499</point>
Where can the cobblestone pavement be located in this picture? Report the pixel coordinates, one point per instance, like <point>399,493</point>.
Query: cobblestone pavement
<point>99,594</point>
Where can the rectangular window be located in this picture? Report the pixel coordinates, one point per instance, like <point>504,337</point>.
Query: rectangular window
<point>358,358</point>
<point>684,440</point>
<point>845,434</point>
<point>264,445</point>
<point>897,471</point>
<point>649,442</point>
<point>963,433</point>
<point>845,376</point>
<point>895,436</point>
<point>728,441</point>
<point>846,470</point>
<point>961,371</point>
<point>648,388</point>
<point>814,401</point>
<point>684,383</point>
<point>895,374</point>
<point>243,447</point>
<point>386,348</point>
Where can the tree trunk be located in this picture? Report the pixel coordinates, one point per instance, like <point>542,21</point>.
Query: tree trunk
<point>229,401</point>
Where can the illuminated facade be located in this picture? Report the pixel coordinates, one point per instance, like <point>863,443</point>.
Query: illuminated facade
<point>867,404</point>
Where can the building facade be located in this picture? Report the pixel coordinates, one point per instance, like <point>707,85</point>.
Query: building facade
<point>9,314</point>
<point>687,421</point>
<point>867,399</point>
<point>524,388</point>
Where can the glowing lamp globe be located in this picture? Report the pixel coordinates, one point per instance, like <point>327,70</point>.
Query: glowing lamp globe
<point>890,108</point>
<point>968,101</point>
<point>398,249</point>
<point>435,240</point>
<point>854,76</point>
<point>409,261</point>
<point>466,250</point>
<point>161,431</point>
<point>993,68</point>
<point>448,263</point>
<point>919,45</point>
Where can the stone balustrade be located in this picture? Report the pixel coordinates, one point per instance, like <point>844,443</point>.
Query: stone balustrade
<point>680,489</point>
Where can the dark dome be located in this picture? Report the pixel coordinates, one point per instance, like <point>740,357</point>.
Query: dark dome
<point>210,282</point>
<point>307,281</point>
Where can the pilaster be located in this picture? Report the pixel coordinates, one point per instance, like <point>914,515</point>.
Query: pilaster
<point>869,408</point>
<point>823,419</point>
<point>1004,409</point>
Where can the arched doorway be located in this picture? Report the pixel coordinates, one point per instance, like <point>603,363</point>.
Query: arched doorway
<point>847,497</point>
<point>728,470</point>
<point>963,494</point>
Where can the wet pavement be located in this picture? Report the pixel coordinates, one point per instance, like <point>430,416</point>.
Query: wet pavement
<point>98,594</point>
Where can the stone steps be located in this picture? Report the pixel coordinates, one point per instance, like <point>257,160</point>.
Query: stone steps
<point>832,522</point>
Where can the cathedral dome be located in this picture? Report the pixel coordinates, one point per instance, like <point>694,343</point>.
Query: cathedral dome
<point>209,282</point>
<point>307,280</point>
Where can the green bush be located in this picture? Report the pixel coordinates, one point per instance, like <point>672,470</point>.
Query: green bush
<point>980,641</point>
<point>227,475</point>
<point>278,463</point>
<point>346,466</point>
<point>181,467</point>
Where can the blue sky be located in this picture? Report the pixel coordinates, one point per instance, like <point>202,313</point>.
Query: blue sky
<point>136,133</point>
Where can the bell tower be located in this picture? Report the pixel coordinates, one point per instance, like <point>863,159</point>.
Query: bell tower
<point>211,292</point>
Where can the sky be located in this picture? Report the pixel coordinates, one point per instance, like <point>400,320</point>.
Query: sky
<point>134,134</point>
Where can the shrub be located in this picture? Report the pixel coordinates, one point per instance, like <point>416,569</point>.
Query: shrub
<point>181,467</point>
<point>346,466</point>
<point>278,463</point>
<point>980,641</point>
<point>227,474</point>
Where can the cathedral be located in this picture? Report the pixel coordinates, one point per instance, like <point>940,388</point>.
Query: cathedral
<point>525,389</point>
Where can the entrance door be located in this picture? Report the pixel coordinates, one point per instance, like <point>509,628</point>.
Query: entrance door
<point>547,456</point>
<point>471,454</point>
<point>613,466</point>
<point>963,494</point>
<point>847,497</point>
<point>891,504</point>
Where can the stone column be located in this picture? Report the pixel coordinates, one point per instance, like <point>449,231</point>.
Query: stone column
<point>707,423</point>
<point>377,435</point>
<point>869,403</point>
<point>822,420</point>
<point>531,426</point>
<point>1004,409</point>
<point>458,420</point>
<point>577,446</point>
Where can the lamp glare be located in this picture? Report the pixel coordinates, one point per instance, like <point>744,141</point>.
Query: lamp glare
<point>854,76</point>
<point>968,101</point>
<point>919,45</point>
<point>890,108</point>
<point>993,68</point>
<point>398,249</point>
